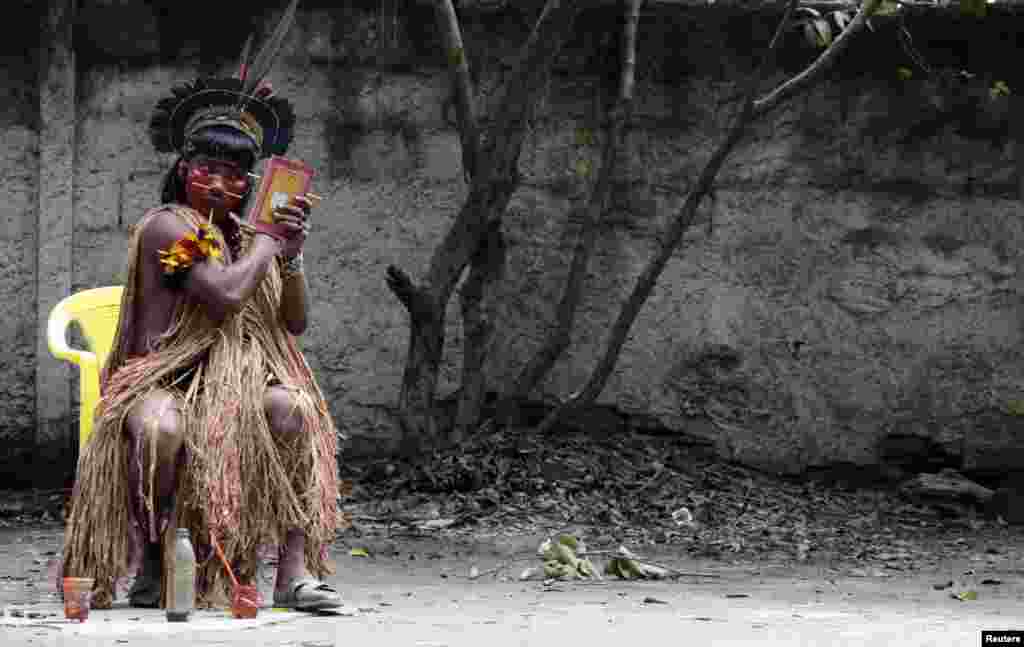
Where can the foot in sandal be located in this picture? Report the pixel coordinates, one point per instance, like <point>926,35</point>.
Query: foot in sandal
<point>307,594</point>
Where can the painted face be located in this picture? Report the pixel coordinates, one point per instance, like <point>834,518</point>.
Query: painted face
<point>214,184</point>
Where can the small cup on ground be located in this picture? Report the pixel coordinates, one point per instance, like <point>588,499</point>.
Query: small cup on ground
<point>246,601</point>
<point>77,597</point>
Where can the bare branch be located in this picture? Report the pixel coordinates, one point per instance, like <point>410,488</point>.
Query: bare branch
<point>809,76</point>
<point>402,286</point>
<point>462,85</point>
<point>559,338</point>
<point>496,172</point>
<point>493,181</point>
<point>645,283</point>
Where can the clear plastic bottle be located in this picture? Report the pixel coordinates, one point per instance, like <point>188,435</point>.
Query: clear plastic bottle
<point>180,606</point>
<point>266,573</point>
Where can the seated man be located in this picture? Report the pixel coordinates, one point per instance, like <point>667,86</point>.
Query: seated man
<point>210,418</point>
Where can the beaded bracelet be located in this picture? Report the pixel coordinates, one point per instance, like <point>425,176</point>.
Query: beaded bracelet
<point>291,267</point>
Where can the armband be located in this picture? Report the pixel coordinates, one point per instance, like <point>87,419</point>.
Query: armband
<point>192,248</point>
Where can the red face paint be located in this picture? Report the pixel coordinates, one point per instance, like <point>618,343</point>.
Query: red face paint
<point>217,185</point>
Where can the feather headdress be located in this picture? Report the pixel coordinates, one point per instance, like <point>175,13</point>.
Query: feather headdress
<point>241,102</point>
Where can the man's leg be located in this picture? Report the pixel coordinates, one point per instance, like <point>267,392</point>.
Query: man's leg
<point>293,578</point>
<point>155,433</point>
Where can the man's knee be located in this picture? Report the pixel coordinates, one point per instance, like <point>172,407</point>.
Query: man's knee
<point>283,413</point>
<point>158,418</point>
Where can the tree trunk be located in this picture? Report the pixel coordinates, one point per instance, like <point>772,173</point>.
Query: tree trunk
<point>478,328</point>
<point>684,218</point>
<point>462,86</point>
<point>495,178</point>
<point>559,338</point>
<point>388,24</point>
<point>426,341</point>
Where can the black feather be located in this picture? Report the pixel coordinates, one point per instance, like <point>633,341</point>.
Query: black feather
<point>264,59</point>
<point>243,63</point>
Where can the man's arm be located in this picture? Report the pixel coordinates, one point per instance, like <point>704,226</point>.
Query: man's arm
<point>294,302</point>
<point>222,289</point>
<point>294,218</point>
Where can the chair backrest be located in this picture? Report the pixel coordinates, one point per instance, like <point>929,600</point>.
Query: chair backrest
<point>96,312</point>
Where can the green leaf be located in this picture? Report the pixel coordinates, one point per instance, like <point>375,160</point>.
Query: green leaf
<point>887,8</point>
<point>558,569</point>
<point>904,73</point>
<point>612,568</point>
<point>560,553</point>
<point>999,89</point>
<point>975,8</point>
<point>824,32</point>
<point>1015,407</point>
<point>359,552</point>
<point>456,56</point>
<point>625,568</point>
<point>570,541</point>
<point>818,33</point>
<point>583,168</point>
<point>584,136</point>
<point>965,596</point>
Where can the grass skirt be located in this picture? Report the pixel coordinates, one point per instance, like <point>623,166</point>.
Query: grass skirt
<point>220,374</point>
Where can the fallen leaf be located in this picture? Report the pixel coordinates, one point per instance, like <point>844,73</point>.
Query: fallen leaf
<point>652,572</point>
<point>544,547</point>
<point>359,552</point>
<point>570,541</point>
<point>682,517</point>
<point>965,596</point>
<point>652,600</point>
<point>436,524</point>
<point>991,581</point>
<point>528,573</point>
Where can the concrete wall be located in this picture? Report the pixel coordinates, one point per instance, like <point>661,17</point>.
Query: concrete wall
<point>858,281</point>
<point>19,167</point>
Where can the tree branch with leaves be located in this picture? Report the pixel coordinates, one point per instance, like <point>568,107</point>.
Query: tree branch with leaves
<point>752,108</point>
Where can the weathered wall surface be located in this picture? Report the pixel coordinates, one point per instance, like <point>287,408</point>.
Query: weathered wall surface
<point>852,292</point>
<point>18,179</point>
<point>19,168</point>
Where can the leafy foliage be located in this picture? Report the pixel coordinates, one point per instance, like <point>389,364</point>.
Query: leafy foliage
<point>561,561</point>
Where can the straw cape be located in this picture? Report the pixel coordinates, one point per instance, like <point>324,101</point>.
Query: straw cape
<point>220,373</point>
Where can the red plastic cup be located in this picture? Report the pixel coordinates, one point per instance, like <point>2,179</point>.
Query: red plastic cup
<point>245,601</point>
<point>77,597</point>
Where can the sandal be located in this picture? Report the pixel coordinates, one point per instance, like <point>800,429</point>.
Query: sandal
<point>145,592</point>
<point>308,594</point>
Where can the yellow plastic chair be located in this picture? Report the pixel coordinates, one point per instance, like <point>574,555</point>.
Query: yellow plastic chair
<point>96,312</point>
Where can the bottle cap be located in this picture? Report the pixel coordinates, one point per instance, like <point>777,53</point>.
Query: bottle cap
<point>182,532</point>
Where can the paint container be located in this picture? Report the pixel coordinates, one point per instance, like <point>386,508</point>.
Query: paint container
<point>77,597</point>
<point>245,601</point>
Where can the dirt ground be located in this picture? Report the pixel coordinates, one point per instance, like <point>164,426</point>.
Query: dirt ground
<point>416,589</point>
<point>437,549</point>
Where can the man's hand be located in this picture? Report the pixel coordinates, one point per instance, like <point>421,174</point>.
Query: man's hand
<point>294,219</point>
